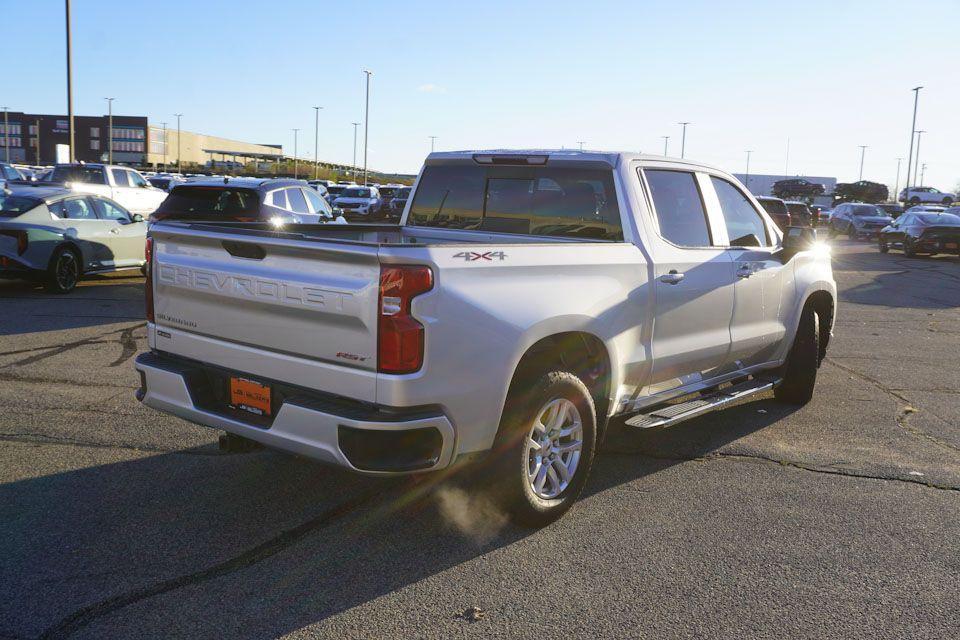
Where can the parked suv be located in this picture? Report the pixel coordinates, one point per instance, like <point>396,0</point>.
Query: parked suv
<point>858,220</point>
<point>363,201</point>
<point>794,187</point>
<point>921,195</point>
<point>777,209</point>
<point>525,299</point>
<point>800,214</point>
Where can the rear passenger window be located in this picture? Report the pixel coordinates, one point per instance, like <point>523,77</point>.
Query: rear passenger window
<point>297,202</point>
<point>549,201</point>
<point>679,207</point>
<point>279,198</point>
<point>120,177</point>
<point>740,217</point>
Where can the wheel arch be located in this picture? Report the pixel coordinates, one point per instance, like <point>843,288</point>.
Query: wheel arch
<point>72,246</point>
<point>823,303</point>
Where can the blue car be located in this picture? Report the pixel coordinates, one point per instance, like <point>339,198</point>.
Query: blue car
<point>55,236</point>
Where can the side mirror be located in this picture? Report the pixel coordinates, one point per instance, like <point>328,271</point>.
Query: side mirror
<point>136,217</point>
<point>797,239</point>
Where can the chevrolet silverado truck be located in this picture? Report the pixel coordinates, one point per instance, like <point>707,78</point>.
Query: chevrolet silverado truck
<point>121,184</point>
<point>523,301</point>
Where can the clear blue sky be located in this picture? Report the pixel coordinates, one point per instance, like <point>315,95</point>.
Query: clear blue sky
<point>618,75</point>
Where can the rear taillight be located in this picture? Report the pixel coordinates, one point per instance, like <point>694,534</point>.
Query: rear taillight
<point>21,238</point>
<point>148,285</point>
<point>400,336</point>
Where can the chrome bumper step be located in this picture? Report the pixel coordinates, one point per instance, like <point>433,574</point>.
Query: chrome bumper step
<point>667,415</point>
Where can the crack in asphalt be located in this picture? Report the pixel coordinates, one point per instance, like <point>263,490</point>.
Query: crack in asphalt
<point>904,413</point>
<point>34,438</point>
<point>126,337</point>
<point>87,615</point>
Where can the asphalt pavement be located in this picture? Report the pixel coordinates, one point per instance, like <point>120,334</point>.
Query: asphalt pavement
<point>838,519</point>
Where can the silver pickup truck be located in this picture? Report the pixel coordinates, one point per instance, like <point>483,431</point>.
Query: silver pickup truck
<point>525,299</point>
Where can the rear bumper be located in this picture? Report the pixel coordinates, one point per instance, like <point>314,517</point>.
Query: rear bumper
<point>364,438</point>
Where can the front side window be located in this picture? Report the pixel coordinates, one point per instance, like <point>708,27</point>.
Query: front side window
<point>317,204</point>
<point>739,216</point>
<point>136,179</point>
<point>120,177</point>
<point>548,201</point>
<point>679,207</point>
<point>297,202</point>
<point>107,210</point>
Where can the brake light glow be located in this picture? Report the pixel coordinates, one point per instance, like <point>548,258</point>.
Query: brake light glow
<point>148,285</point>
<point>400,335</point>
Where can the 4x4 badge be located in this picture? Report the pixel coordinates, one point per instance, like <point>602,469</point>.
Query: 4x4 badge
<point>472,256</point>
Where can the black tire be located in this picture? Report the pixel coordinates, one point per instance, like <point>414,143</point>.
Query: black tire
<point>884,247</point>
<point>914,200</point>
<point>800,370</point>
<point>852,232</point>
<point>64,271</point>
<point>510,483</point>
<point>908,249</point>
<point>947,202</point>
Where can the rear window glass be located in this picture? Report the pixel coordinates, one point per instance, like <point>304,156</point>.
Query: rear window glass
<point>867,210</point>
<point>774,207</point>
<point>798,209</point>
<point>222,202</point>
<point>545,201</point>
<point>89,175</point>
<point>11,206</point>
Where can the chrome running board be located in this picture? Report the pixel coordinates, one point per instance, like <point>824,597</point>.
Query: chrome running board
<point>666,415</point>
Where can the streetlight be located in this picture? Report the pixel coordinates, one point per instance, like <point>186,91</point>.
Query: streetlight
<point>316,136</point>
<point>916,168</point>
<point>666,141</point>
<point>433,140</point>
<point>355,125</point>
<point>6,134</point>
<point>580,142</point>
<point>683,138</point>
<point>164,145</point>
<point>179,166</point>
<point>73,155</point>
<point>109,130</point>
<point>913,128</point>
<point>366,127</point>
<point>746,181</point>
<point>896,182</point>
<point>923,170</point>
<point>295,131</point>
<point>863,152</point>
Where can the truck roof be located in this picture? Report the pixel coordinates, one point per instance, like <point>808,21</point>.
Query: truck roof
<point>612,158</point>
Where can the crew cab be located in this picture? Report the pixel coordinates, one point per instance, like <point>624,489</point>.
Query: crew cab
<point>525,298</point>
<point>121,184</point>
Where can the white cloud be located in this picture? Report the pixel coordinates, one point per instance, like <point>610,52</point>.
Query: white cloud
<point>431,88</point>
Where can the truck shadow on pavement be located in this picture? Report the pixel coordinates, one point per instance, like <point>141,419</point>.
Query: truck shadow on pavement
<point>202,544</point>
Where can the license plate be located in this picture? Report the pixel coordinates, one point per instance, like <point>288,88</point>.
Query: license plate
<point>250,395</point>
<point>950,245</point>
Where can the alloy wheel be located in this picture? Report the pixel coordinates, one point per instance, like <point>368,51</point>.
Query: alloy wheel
<point>553,448</point>
<point>67,271</point>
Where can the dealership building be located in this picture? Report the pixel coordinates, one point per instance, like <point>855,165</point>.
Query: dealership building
<point>29,138</point>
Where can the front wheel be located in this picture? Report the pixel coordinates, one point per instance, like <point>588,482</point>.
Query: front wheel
<point>544,449</point>
<point>947,202</point>
<point>884,247</point>
<point>800,370</point>
<point>908,249</point>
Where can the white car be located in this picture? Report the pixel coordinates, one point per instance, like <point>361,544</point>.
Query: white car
<point>121,184</point>
<point>358,200</point>
<point>525,299</point>
<point>921,195</point>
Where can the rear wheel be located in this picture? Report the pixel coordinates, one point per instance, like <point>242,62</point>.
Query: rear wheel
<point>800,370</point>
<point>914,200</point>
<point>63,273</point>
<point>545,448</point>
<point>947,201</point>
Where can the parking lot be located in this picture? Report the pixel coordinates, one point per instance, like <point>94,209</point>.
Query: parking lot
<point>839,519</point>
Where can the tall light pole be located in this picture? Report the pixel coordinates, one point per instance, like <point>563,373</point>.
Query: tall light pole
<point>863,152</point>
<point>316,137</point>
<point>580,142</point>
<point>179,166</point>
<point>896,182</point>
<point>109,130</point>
<point>683,139</point>
<point>164,145</point>
<point>433,141</point>
<point>923,170</point>
<point>355,125</point>
<point>666,142</point>
<point>73,154</point>
<point>746,181</point>
<point>916,167</point>
<point>913,128</point>
<point>6,134</point>
<point>295,131</point>
<point>366,127</point>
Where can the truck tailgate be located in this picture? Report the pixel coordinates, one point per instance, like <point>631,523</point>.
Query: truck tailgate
<point>312,300</point>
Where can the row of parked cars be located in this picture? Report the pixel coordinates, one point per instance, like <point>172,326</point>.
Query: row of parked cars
<point>921,229</point>
<point>93,218</point>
